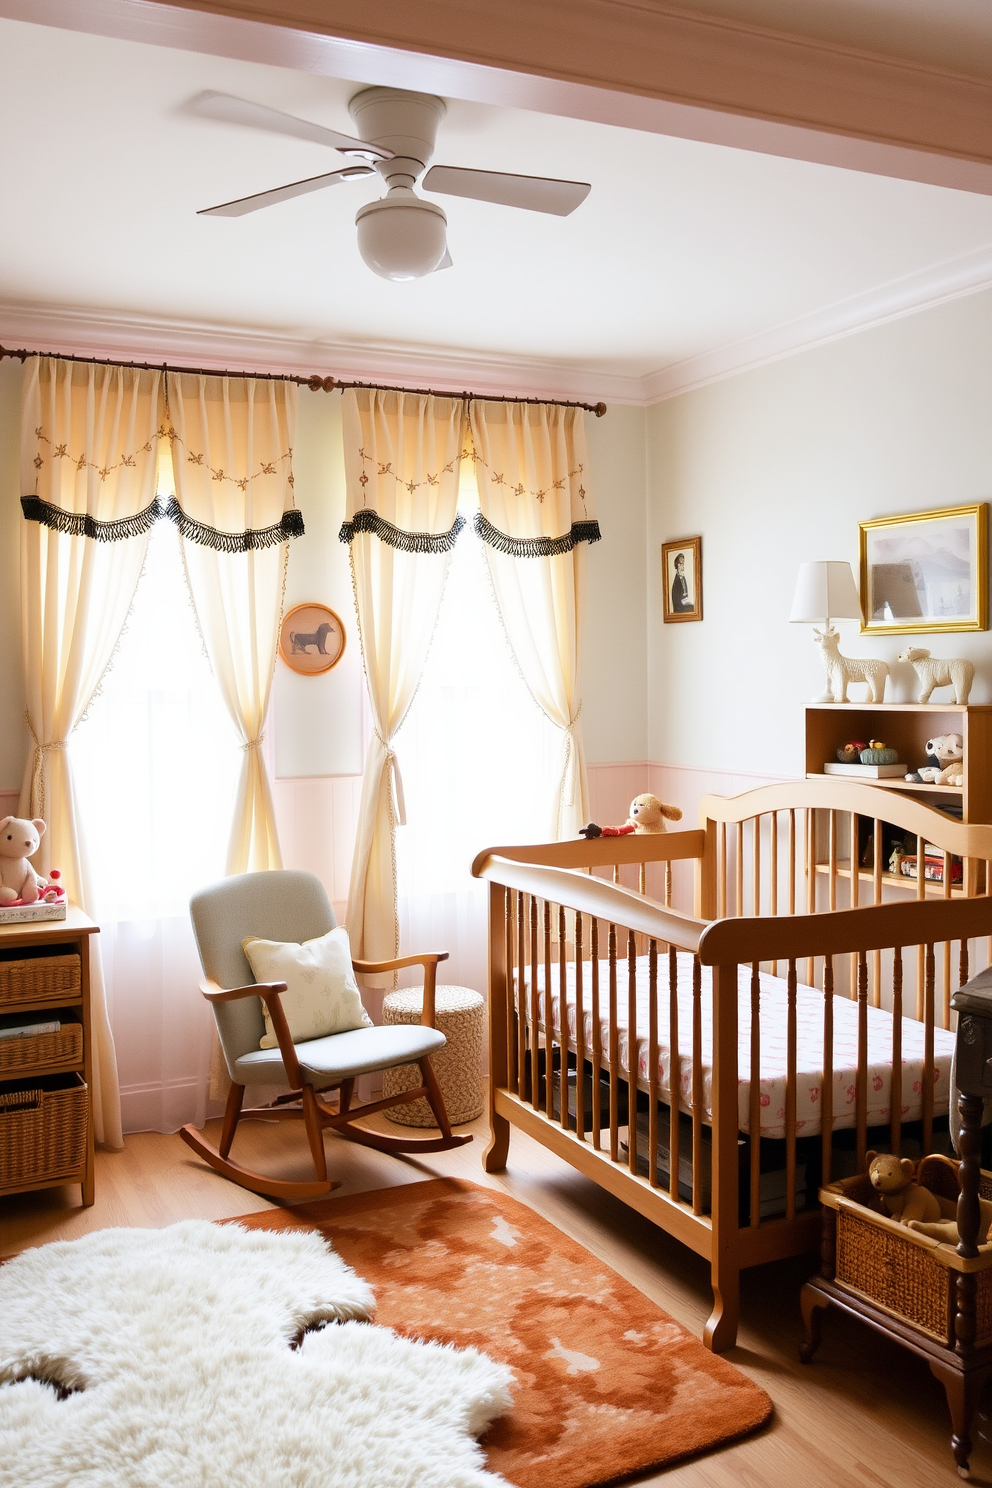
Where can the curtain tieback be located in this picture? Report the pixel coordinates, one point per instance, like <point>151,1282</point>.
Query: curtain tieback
<point>254,743</point>
<point>570,770</point>
<point>393,765</point>
<point>38,766</point>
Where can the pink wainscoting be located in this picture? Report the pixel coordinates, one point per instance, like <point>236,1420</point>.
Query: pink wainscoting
<point>8,802</point>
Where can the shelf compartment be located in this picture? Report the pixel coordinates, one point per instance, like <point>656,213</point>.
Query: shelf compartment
<point>40,979</point>
<point>44,1125</point>
<point>53,1051</point>
<point>934,889</point>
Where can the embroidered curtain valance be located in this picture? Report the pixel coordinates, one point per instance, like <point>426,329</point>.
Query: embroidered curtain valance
<point>101,435</point>
<point>403,454</point>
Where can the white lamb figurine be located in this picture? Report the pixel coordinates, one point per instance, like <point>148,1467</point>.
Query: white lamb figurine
<point>841,670</point>
<point>936,671</point>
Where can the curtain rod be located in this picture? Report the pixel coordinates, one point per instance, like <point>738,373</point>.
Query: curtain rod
<point>314,382</point>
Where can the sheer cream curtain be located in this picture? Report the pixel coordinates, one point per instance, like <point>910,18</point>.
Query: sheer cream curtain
<point>89,452</point>
<point>402,460</point>
<point>234,506</point>
<point>534,518</point>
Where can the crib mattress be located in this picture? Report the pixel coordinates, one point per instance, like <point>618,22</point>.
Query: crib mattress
<point>773,1004</point>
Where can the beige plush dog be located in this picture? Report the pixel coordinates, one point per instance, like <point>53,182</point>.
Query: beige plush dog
<point>647,814</point>
<point>18,840</point>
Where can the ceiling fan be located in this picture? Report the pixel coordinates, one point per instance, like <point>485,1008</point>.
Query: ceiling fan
<point>400,236</point>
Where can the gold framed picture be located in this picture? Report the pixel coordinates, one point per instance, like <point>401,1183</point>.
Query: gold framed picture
<point>311,639</point>
<point>682,579</point>
<point>927,571</point>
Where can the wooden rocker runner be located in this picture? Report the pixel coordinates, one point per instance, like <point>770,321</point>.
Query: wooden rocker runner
<point>291,906</point>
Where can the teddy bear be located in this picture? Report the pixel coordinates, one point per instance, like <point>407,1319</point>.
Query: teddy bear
<point>19,839</point>
<point>894,1180</point>
<point>647,815</point>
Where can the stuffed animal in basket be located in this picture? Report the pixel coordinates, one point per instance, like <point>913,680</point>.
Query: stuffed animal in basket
<point>647,815</point>
<point>19,839</point>
<point>894,1179</point>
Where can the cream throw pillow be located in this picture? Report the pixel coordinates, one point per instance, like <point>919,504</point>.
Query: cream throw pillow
<point>321,996</point>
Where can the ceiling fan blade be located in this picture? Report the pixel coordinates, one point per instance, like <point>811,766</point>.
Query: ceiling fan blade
<point>447,262</point>
<point>230,110</point>
<point>533,193</point>
<point>245,204</point>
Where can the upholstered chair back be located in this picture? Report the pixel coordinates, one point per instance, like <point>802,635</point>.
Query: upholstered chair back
<point>280,905</point>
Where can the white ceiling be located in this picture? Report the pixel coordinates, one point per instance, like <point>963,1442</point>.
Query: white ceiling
<point>687,260</point>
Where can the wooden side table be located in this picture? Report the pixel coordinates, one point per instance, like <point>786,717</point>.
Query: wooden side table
<point>46,1080</point>
<point>935,1300</point>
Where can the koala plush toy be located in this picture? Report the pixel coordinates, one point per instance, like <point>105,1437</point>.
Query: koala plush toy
<point>18,880</point>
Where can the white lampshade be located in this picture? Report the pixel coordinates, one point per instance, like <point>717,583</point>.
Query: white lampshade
<point>825,591</point>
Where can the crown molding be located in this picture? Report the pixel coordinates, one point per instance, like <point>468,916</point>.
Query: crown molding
<point>53,329</point>
<point>969,274</point>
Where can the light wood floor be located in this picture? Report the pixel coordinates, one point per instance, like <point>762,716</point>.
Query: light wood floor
<point>865,1413</point>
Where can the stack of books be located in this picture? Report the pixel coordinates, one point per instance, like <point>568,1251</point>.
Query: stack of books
<point>864,772</point>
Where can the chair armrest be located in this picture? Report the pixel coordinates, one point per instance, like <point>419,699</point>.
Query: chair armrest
<point>428,960</point>
<point>271,995</point>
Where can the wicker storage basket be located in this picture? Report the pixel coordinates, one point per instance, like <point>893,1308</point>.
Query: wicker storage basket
<point>19,1055</point>
<point>43,1129</point>
<point>40,979</point>
<point>906,1274</point>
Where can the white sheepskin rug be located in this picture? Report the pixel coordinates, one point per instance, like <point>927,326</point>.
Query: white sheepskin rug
<point>176,1349</point>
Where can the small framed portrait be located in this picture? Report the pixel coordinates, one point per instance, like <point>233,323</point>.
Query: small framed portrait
<point>927,571</point>
<point>682,578</point>
<point>311,639</point>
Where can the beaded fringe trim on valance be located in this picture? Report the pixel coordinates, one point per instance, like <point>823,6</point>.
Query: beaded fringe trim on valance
<point>536,547</point>
<point>370,521</point>
<point>81,524</point>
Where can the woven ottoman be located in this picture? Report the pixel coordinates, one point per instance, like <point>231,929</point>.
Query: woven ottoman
<point>460,1014</point>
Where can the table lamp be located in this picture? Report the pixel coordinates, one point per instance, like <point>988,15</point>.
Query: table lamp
<point>825,592</point>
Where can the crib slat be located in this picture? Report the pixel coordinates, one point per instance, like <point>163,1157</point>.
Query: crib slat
<point>756,865</point>
<point>721,874</point>
<point>739,872</point>
<point>653,1063</point>
<point>549,1021</point>
<point>861,1079</point>
<point>535,1013</point>
<point>773,873</point>
<point>792,860</point>
<point>832,860</point>
<point>512,990</point>
<point>929,990</point>
<point>895,1072</point>
<point>697,1086</point>
<point>790,1095</point>
<point>521,1001</point>
<point>754,1098</point>
<point>597,1036</point>
<point>810,879</point>
<point>614,1049</point>
<point>827,1084</point>
<point>562,1019</point>
<point>580,1036</point>
<point>633,1052</point>
<point>668,885</point>
<point>963,963</point>
<point>674,1074</point>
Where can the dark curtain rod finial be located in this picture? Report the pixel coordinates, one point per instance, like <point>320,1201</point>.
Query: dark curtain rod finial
<point>314,382</point>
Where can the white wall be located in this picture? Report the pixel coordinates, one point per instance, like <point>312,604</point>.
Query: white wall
<point>779,465</point>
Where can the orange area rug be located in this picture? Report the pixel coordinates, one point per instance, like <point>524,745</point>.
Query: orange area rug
<point>608,1385</point>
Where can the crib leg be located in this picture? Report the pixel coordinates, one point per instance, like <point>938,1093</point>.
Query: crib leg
<point>720,1332</point>
<point>494,1157</point>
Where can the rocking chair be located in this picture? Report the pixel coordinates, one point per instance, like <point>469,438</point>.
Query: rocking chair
<point>292,906</point>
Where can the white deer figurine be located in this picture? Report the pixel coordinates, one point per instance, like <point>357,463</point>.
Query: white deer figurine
<point>842,670</point>
<point>936,671</point>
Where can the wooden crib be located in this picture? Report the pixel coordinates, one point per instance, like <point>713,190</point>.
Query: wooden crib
<point>826,972</point>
